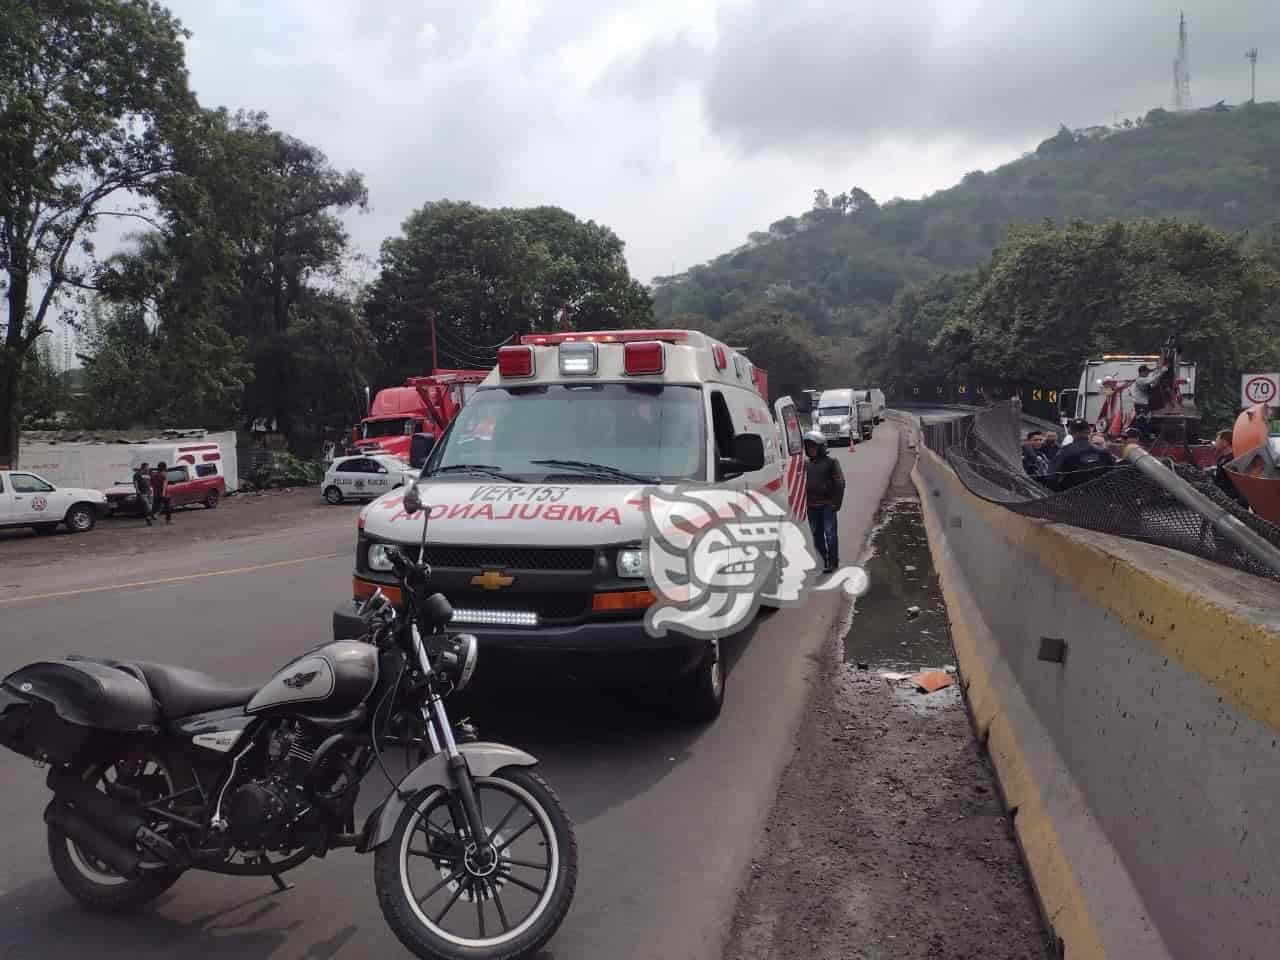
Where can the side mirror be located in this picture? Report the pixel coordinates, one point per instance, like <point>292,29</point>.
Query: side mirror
<point>420,448</point>
<point>748,456</point>
<point>412,499</point>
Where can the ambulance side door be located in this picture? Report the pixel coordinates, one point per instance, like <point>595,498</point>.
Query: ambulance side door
<point>792,442</point>
<point>751,415</point>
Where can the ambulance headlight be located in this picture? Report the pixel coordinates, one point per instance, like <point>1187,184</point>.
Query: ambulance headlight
<point>631,562</point>
<point>379,558</point>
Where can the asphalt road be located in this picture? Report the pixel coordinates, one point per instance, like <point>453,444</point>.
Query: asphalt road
<point>667,818</point>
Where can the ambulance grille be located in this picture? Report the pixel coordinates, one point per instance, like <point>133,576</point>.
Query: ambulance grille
<point>511,558</point>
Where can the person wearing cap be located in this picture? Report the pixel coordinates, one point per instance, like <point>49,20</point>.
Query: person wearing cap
<point>824,481</point>
<point>1079,461</point>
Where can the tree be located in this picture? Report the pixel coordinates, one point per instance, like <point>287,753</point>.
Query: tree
<point>93,97</point>
<point>820,200</point>
<point>861,202</point>
<point>489,275</point>
<point>43,394</point>
<point>1052,297</point>
<point>778,342</point>
<point>250,229</point>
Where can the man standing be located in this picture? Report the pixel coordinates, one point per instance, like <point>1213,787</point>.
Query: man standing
<point>825,482</point>
<point>160,492</point>
<point>142,487</point>
<point>1049,445</point>
<point>1079,461</point>
<point>1034,462</point>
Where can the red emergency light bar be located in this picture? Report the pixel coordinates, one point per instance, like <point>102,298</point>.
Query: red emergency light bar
<point>643,358</point>
<point>605,336</point>
<point>515,361</point>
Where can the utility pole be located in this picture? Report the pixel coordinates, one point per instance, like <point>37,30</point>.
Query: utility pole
<point>1252,57</point>
<point>435,358</point>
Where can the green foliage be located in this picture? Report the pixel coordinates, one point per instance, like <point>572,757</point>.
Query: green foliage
<point>93,100</point>
<point>488,275</point>
<point>43,393</point>
<point>1221,168</point>
<point>286,470</point>
<point>778,342</point>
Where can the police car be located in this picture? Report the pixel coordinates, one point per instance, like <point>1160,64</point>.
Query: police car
<point>537,498</point>
<point>364,477</point>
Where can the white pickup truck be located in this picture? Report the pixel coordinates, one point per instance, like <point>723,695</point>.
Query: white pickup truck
<point>29,500</point>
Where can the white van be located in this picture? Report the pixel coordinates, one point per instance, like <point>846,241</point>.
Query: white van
<point>536,513</point>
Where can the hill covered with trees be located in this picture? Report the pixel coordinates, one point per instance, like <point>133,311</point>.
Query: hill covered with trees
<point>840,265</point>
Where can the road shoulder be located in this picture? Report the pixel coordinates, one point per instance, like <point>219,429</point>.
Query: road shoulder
<point>887,838</point>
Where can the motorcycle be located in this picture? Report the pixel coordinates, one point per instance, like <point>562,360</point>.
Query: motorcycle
<point>157,770</point>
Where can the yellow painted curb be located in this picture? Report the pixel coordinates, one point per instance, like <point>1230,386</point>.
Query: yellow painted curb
<point>1056,883</point>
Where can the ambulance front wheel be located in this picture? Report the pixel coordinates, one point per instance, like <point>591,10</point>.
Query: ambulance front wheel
<point>333,495</point>
<point>700,695</point>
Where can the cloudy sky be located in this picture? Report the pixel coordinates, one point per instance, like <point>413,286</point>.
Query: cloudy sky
<point>685,124</point>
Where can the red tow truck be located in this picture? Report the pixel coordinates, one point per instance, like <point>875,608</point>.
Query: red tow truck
<point>421,405</point>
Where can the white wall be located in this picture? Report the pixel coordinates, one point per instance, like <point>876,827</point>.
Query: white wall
<point>100,465</point>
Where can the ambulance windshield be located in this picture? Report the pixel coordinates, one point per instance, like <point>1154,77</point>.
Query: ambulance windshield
<point>650,431</point>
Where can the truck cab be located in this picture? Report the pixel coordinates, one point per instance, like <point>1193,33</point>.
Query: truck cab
<point>536,495</point>
<point>844,416</point>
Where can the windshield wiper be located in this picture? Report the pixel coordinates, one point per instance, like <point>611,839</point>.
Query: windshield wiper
<point>599,469</point>
<point>481,468</point>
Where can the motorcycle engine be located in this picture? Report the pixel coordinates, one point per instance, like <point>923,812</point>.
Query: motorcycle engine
<point>261,811</point>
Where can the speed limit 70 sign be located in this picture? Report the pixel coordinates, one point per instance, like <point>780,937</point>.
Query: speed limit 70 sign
<point>1259,388</point>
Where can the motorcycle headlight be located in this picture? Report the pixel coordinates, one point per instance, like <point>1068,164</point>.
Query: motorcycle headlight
<point>631,562</point>
<point>456,658</point>
<point>379,557</point>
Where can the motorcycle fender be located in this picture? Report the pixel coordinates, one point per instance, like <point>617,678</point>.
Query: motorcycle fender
<point>483,760</point>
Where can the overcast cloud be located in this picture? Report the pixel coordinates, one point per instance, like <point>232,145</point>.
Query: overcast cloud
<point>685,124</point>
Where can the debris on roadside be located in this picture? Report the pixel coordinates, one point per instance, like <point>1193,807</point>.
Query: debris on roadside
<point>912,612</point>
<point>931,681</point>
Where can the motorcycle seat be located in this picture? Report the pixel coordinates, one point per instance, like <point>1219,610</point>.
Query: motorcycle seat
<point>181,692</point>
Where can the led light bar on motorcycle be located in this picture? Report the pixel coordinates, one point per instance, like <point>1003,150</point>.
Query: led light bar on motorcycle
<point>515,362</point>
<point>495,618</point>
<point>643,358</point>
<point>577,359</point>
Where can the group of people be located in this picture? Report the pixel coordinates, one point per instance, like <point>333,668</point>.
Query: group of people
<point>152,487</point>
<point>1082,457</point>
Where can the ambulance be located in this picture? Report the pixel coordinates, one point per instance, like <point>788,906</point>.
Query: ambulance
<point>535,495</point>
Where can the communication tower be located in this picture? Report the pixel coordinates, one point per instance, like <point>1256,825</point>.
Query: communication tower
<point>1252,57</point>
<point>1182,69</point>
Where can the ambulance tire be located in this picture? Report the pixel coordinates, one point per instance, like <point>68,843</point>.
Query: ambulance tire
<point>333,495</point>
<point>211,500</point>
<point>700,695</point>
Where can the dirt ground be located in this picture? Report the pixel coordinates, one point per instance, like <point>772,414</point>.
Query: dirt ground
<point>887,839</point>
<point>242,514</point>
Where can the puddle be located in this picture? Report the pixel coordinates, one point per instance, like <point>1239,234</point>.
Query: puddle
<point>899,625</point>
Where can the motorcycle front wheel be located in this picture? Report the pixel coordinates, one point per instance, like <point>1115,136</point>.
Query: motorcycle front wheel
<point>447,897</point>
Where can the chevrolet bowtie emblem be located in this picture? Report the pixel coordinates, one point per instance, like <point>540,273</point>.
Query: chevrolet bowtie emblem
<point>492,580</point>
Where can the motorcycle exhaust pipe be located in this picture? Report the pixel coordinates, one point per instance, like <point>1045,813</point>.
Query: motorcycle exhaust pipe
<point>108,815</point>
<point>91,840</point>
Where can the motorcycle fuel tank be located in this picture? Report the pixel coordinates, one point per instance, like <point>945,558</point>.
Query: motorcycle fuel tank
<point>332,679</point>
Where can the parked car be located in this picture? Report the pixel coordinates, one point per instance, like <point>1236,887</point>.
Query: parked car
<point>365,477</point>
<point>189,484</point>
<point>29,500</point>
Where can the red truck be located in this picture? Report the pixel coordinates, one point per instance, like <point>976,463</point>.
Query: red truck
<point>421,405</point>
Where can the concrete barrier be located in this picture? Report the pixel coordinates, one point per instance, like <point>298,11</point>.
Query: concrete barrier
<point>1143,769</point>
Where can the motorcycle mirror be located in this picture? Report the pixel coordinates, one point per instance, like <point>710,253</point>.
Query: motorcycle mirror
<point>412,500</point>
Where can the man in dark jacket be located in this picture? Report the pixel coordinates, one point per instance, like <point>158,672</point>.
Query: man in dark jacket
<point>1079,461</point>
<point>1034,462</point>
<point>824,481</point>
<point>142,487</point>
<point>1049,445</point>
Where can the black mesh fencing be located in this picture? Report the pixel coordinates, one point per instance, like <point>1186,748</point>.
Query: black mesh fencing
<point>985,451</point>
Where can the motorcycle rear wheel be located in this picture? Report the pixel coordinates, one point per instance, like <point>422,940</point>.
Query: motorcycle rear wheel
<point>518,807</point>
<point>90,881</point>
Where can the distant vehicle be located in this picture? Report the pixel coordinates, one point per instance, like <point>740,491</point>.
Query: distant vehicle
<point>194,470</point>
<point>29,500</point>
<point>874,396</point>
<point>422,405</point>
<point>365,477</point>
<point>843,418</point>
